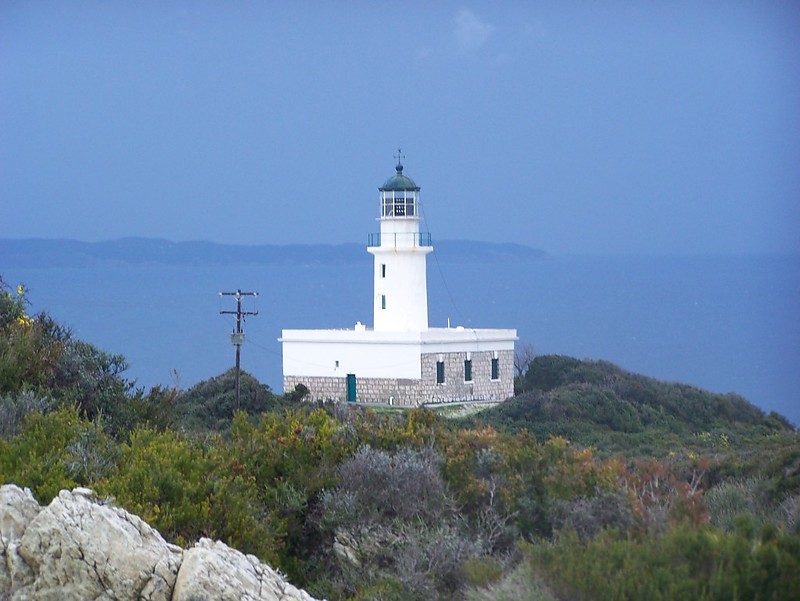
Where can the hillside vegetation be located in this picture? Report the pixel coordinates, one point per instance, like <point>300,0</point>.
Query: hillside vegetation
<point>591,484</point>
<point>597,404</point>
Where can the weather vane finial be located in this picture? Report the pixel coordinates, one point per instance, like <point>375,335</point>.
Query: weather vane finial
<point>399,156</point>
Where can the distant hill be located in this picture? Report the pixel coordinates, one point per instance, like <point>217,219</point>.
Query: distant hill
<point>596,403</point>
<point>72,253</point>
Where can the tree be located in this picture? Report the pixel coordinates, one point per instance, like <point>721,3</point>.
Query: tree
<point>523,357</point>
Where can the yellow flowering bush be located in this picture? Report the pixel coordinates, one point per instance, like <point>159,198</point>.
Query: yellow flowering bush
<point>29,345</point>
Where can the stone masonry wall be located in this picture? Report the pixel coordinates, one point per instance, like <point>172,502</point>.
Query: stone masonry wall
<point>454,388</point>
<point>321,388</point>
<point>425,390</point>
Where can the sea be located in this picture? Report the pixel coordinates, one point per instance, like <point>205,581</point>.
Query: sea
<point>721,323</point>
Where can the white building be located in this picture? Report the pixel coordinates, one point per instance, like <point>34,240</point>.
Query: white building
<point>400,360</point>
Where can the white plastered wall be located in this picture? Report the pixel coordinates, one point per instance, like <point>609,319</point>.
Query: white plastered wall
<point>372,354</point>
<point>367,354</point>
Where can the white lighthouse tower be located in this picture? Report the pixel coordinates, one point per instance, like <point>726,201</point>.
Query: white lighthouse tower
<point>400,290</point>
<point>400,360</point>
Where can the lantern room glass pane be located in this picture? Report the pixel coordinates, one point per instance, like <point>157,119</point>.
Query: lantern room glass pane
<point>399,207</point>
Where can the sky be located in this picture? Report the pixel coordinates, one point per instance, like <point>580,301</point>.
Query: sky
<point>574,127</point>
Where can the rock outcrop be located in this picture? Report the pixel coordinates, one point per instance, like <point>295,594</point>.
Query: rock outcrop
<point>83,549</point>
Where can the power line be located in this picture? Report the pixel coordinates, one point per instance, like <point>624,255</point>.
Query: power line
<point>441,271</point>
<point>264,348</point>
<point>237,337</point>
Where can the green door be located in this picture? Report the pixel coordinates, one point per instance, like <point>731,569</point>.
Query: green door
<point>351,388</point>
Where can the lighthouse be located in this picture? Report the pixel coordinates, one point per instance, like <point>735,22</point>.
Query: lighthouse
<point>401,359</point>
<point>400,285</point>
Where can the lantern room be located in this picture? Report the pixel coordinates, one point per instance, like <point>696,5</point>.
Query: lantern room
<point>399,196</point>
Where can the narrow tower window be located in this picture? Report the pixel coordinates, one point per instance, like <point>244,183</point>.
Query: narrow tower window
<point>440,372</point>
<point>383,270</point>
<point>383,301</point>
<point>468,370</point>
<point>495,368</point>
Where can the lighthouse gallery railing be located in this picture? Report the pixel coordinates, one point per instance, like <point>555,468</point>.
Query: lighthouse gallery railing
<point>401,239</point>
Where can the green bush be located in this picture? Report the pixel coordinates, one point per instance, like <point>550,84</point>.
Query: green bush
<point>210,405</point>
<point>520,584</point>
<point>597,404</point>
<point>387,589</point>
<point>731,499</point>
<point>92,380</point>
<point>700,564</point>
<point>45,455</point>
<point>30,346</point>
<point>482,571</point>
<point>165,480</point>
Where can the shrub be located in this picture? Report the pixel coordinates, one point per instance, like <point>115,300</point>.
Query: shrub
<point>211,404</point>
<point>482,571</point>
<point>14,408</point>
<point>92,380</point>
<point>39,457</point>
<point>30,346</point>
<point>392,517</point>
<point>588,516</point>
<point>685,563</point>
<point>407,485</point>
<point>520,584</point>
<point>789,511</point>
<point>728,500</point>
<point>165,480</point>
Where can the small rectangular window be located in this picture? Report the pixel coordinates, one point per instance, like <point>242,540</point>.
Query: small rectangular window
<point>383,270</point>
<point>468,370</point>
<point>440,372</point>
<point>495,368</point>
<point>383,301</point>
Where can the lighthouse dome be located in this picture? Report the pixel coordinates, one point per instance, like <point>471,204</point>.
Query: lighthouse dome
<point>399,181</point>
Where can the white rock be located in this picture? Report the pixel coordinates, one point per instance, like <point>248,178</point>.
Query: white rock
<point>79,549</point>
<point>17,509</point>
<point>83,492</point>
<point>212,570</point>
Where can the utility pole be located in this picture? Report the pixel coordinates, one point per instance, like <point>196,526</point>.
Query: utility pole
<point>237,337</point>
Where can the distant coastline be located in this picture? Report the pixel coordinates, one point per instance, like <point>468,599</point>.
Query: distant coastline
<point>72,253</point>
